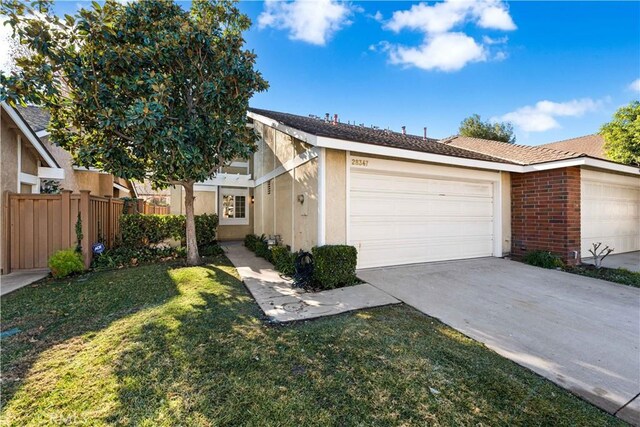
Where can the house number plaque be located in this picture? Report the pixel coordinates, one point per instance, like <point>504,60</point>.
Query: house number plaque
<point>359,162</point>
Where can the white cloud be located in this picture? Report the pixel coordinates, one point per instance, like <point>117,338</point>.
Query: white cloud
<point>442,48</point>
<point>542,116</point>
<point>444,52</point>
<point>443,17</point>
<point>635,85</point>
<point>313,22</point>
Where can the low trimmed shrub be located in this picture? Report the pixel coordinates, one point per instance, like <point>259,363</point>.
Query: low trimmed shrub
<point>544,259</point>
<point>250,241</point>
<point>283,260</point>
<point>334,266</point>
<point>262,250</point>
<point>66,262</point>
<point>210,250</point>
<point>143,230</point>
<point>124,256</point>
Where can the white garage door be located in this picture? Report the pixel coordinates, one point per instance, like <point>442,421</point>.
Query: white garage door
<point>402,213</point>
<point>610,210</point>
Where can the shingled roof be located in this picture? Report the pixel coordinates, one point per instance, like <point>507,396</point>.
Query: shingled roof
<point>591,145</point>
<point>36,117</point>
<point>520,154</point>
<point>367,135</point>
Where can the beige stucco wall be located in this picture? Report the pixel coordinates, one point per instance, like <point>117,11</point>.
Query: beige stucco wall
<point>336,197</point>
<point>284,207</point>
<point>506,213</point>
<point>277,210</point>
<point>8,155</point>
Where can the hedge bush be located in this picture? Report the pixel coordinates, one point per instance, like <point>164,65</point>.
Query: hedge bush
<point>544,259</point>
<point>283,260</point>
<point>65,262</point>
<point>125,256</point>
<point>250,241</point>
<point>142,230</point>
<point>334,266</point>
<point>262,250</point>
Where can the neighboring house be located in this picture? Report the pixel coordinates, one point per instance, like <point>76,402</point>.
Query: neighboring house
<point>403,199</point>
<point>75,178</point>
<point>145,192</point>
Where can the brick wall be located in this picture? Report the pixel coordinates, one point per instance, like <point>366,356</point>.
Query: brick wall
<point>545,213</point>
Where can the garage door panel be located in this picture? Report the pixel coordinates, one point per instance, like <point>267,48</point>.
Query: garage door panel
<point>610,211</point>
<point>396,218</point>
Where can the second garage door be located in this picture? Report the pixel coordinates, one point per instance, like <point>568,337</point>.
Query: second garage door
<point>402,213</point>
<point>610,211</point>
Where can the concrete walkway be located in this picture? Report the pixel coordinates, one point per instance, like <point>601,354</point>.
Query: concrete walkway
<point>627,260</point>
<point>19,279</point>
<point>581,333</point>
<point>283,303</point>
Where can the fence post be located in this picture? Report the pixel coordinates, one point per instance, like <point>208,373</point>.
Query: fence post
<point>140,206</point>
<point>109,225</point>
<point>6,229</point>
<point>85,215</point>
<point>65,200</point>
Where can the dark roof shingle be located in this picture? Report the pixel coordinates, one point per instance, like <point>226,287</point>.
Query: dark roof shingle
<point>36,117</point>
<point>373,136</point>
<point>520,154</point>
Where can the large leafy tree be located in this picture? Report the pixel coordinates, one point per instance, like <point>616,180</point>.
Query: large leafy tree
<point>475,127</point>
<point>141,90</point>
<point>622,135</point>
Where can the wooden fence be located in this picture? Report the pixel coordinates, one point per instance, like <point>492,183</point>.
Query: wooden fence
<point>37,225</point>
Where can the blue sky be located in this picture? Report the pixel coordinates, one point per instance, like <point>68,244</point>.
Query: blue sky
<point>555,69</point>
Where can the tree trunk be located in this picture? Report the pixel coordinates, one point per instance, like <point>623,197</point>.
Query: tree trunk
<point>193,258</point>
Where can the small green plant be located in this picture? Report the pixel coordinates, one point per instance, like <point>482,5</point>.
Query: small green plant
<point>210,250</point>
<point>334,266</point>
<point>124,256</point>
<point>250,241</point>
<point>262,250</point>
<point>65,262</point>
<point>544,259</point>
<point>283,260</point>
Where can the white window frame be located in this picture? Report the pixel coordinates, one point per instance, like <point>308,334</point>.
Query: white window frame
<point>226,191</point>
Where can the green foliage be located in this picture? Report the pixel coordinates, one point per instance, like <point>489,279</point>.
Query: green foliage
<point>616,275</point>
<point>283,260</point>
<point>334,266</point>
<point>125,256</point>
<point>474,127</point>
<point>141,230</point>
<point>622,135</point>
<point>543,259</point>
<point>50,186</point>
<point>66,262</point>
<point>140,89</point>
<point>79,234</point>
<point>262,250</point>
<point>211,250</point>
<point>250,241</point>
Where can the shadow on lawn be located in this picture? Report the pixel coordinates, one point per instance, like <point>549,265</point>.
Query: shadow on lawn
<point>53,312</point>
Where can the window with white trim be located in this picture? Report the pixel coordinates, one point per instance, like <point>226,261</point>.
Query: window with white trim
<point>234,206</point>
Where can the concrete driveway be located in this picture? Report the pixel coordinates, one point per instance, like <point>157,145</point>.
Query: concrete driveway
<point>581,333</point>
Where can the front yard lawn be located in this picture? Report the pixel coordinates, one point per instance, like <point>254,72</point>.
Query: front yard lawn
<point>157,345</point>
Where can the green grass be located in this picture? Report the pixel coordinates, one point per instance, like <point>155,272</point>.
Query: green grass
<point>616,275</point>
<point>156,346</point>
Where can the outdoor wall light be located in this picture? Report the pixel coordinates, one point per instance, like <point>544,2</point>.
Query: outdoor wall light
<point>301,198</point>
<point>253,199</point>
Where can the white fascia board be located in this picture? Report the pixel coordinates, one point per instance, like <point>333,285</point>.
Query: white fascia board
<point>27,178</point>
<point>50,173</point>
<point>120,187</point>
<point>226,180</point>
<point>400,153</point>
<point>42,133</point>
<point>89,169</point>
<point>26,130</point>
<point>296,133</point>
<point>583,161</point>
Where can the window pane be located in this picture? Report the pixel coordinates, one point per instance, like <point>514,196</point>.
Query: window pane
<point>228,207</point>
<point>240,207</point>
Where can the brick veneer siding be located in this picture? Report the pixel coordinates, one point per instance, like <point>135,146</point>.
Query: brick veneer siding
<point>545,213</point>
